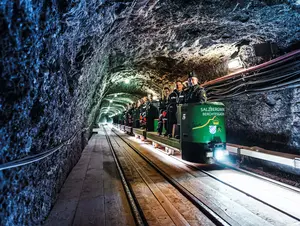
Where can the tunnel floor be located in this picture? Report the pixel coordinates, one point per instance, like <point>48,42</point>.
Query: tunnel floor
<point>93,193</point>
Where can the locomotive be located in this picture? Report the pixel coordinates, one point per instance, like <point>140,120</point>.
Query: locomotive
<point>202,132</point>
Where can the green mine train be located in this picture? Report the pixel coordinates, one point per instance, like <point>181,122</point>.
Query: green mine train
<point>202,132</point>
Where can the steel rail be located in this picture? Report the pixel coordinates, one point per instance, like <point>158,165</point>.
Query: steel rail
<point>214,217</point>
<point>246,193</point>
<point>286,186</point>
<point>189,165</point>
<point>135,208</point>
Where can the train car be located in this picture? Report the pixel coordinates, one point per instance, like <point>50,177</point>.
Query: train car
<point>202,133</point>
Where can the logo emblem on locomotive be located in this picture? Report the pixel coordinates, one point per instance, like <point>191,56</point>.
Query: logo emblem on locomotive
<point>212,129</point>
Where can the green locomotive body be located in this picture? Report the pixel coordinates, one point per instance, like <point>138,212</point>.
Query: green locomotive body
<point>203,132</point>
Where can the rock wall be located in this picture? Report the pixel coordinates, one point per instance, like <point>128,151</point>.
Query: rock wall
<point>60,59</point>
<point>269,120</point>
<point>46,97</point>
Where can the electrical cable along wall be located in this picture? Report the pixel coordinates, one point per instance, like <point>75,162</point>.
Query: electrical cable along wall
<point>40,156</point>
<point>281,73</point>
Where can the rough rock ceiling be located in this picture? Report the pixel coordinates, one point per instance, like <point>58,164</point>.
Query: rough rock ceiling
<point>60,59</point>
<point>156,42</point>
<point>62,62</point>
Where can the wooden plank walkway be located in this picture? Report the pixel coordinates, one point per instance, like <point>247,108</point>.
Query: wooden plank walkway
<point>161,203</point>
<point>93,193</point>
<point>235,207</point>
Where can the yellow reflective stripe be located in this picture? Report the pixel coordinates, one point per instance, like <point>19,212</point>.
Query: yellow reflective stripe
<point>200,127</point>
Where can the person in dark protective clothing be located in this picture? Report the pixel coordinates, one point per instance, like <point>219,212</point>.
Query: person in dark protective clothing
<point>136,115</point>
<point>151,113</point>
<point>143,110</point>
<point>127,115</point>
<point>162,116</point>
<point>130,115</point>
<point>180,100</point>
<point>163,103</point>
<point>195,92</point>
<point>182,94</point>
<point>172,107</point>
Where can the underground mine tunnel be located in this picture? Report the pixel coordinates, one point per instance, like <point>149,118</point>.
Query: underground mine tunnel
<point>67,66</point>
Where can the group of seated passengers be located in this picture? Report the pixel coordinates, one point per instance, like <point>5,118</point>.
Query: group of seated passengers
<point>143,113</point>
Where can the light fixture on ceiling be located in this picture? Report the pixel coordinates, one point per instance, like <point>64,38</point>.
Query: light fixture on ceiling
<point>115,95</point>
<point>127,81</point>
<point>235,64</point>
<point>110,101</point>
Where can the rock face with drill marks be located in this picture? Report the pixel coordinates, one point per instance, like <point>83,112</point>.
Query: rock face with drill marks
<point>60,60</point>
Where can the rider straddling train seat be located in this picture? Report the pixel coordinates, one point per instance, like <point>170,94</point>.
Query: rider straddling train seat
<point>172,108</point>
<point>161,121</point>
<point>193,94</point>
<point>151,113</point>
<point>163,103</point>
<point>143,113</point>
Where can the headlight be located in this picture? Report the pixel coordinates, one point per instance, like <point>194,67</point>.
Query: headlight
<point>220,154</point>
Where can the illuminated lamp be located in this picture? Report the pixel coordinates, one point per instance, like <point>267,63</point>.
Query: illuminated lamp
<point>221,154</point>
<point>235,64</point>
<point>115,95</point>
<point>126,81</point>
<point>155,98</point>
<point>110,101</point>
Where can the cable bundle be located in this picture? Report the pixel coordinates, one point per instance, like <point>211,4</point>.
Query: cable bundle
<point>280,73</point>
<point>34,158</point>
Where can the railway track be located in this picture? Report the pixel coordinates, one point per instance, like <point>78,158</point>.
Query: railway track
<point>193,167</point>
<point>286,186</point>
<point>232,168</point>
<point>166,203</point>
<point>135,209</point>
